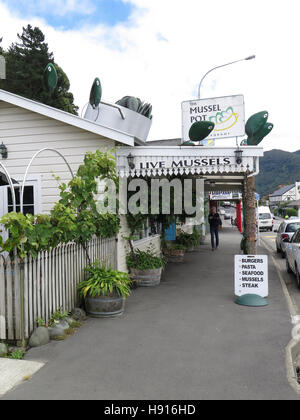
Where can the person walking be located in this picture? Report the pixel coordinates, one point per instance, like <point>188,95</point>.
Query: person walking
<point>215,222</point>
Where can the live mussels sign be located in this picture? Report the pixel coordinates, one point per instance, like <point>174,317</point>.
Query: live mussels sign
<point>184,163</point>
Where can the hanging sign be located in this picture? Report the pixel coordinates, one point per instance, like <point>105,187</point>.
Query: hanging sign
<point>227,113</point>
<point>251,275</point>
<point>226,195</point>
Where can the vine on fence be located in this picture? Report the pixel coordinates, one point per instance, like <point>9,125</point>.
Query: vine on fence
<point>73,218</point>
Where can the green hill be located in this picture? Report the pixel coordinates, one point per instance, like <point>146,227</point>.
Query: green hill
<point>276,168</point>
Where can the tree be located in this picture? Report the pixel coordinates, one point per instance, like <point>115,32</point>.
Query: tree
<point>25,65</point>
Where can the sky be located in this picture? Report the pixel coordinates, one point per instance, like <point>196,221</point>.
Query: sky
<point>158,50</point>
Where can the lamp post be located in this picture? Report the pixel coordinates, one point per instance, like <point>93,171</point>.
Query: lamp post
<point>223,65</point>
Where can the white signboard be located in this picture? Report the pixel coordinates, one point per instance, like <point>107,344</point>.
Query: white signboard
<point>225,196</point>
<point>251,275</point>
<point>227,113</point>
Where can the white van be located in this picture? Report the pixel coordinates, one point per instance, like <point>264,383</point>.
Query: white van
<point>265,218</point>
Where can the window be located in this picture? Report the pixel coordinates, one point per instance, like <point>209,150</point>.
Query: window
<point>264,216</point>
<point>292,227</point>
<point>296,237</point>
<point>31,201</point>
<point>150,228</point>
<point>28,199</point>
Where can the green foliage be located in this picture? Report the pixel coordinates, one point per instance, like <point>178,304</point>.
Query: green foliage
<point>107,225</point>
<point>75,324</point>
<point>144,260</point>
<point>29,234</point>
<point>136,222</point>
<point>17,354</point>
<point>104,281</point>
<point>40,322</point>
<point>188,240</point>
<point>290,212</point>
<point>175,247</point>
<point>25,64</point>
<point>58,315</point>
<point>74,217</point>
<point>136,105</point>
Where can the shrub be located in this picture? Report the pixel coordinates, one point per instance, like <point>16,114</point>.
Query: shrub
<point>290,212</point>
<point>104,281</point>
<point>144,260</point>
<point>187,240</point>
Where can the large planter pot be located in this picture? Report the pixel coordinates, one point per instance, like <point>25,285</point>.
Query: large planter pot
<point>104,306</point>
<point>146,278</point>
<point>134,124</point>
<point>174,255</point>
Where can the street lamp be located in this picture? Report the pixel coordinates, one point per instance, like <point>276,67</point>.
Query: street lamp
<point>130,160</point>
<point>223,65</point>
<point>3,151</point>
<point>238,155</point>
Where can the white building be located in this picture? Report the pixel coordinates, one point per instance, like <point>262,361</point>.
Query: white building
<point>286,193</point>
<point>27,126</point>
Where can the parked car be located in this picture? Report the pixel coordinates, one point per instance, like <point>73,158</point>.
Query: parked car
<point>265,219</point>
<point>286,230</point>
<point>293,255</point>
<point>227,215</point>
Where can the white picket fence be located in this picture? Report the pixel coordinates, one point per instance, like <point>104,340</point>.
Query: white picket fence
<point>36,287</point>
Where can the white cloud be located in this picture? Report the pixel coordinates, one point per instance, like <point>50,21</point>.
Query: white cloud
<point>161,54</point>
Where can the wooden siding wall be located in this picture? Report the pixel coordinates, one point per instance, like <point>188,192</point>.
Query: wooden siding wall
<point>25,132</point>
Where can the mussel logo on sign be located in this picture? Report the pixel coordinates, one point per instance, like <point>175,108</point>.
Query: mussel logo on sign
<point>227,113</point>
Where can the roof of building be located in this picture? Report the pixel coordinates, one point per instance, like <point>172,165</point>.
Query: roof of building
<point>66,117</point>
<point>282,190</point>
<point>166,142</point>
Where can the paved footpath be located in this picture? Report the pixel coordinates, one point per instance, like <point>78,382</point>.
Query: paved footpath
<point>185,339</point>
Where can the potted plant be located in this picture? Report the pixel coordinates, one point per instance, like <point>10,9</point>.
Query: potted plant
<point>104,290</point>
<point>174,252</point>
<point>189,241</point>
<point>197,235</point>
<point>145,267</point>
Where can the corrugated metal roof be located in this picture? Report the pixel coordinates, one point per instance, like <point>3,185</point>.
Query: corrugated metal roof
<point>282,190</point>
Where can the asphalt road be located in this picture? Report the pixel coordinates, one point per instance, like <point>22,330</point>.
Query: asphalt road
<point>268,239</point>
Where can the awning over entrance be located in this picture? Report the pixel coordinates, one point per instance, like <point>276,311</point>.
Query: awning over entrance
<point>180,160</point>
